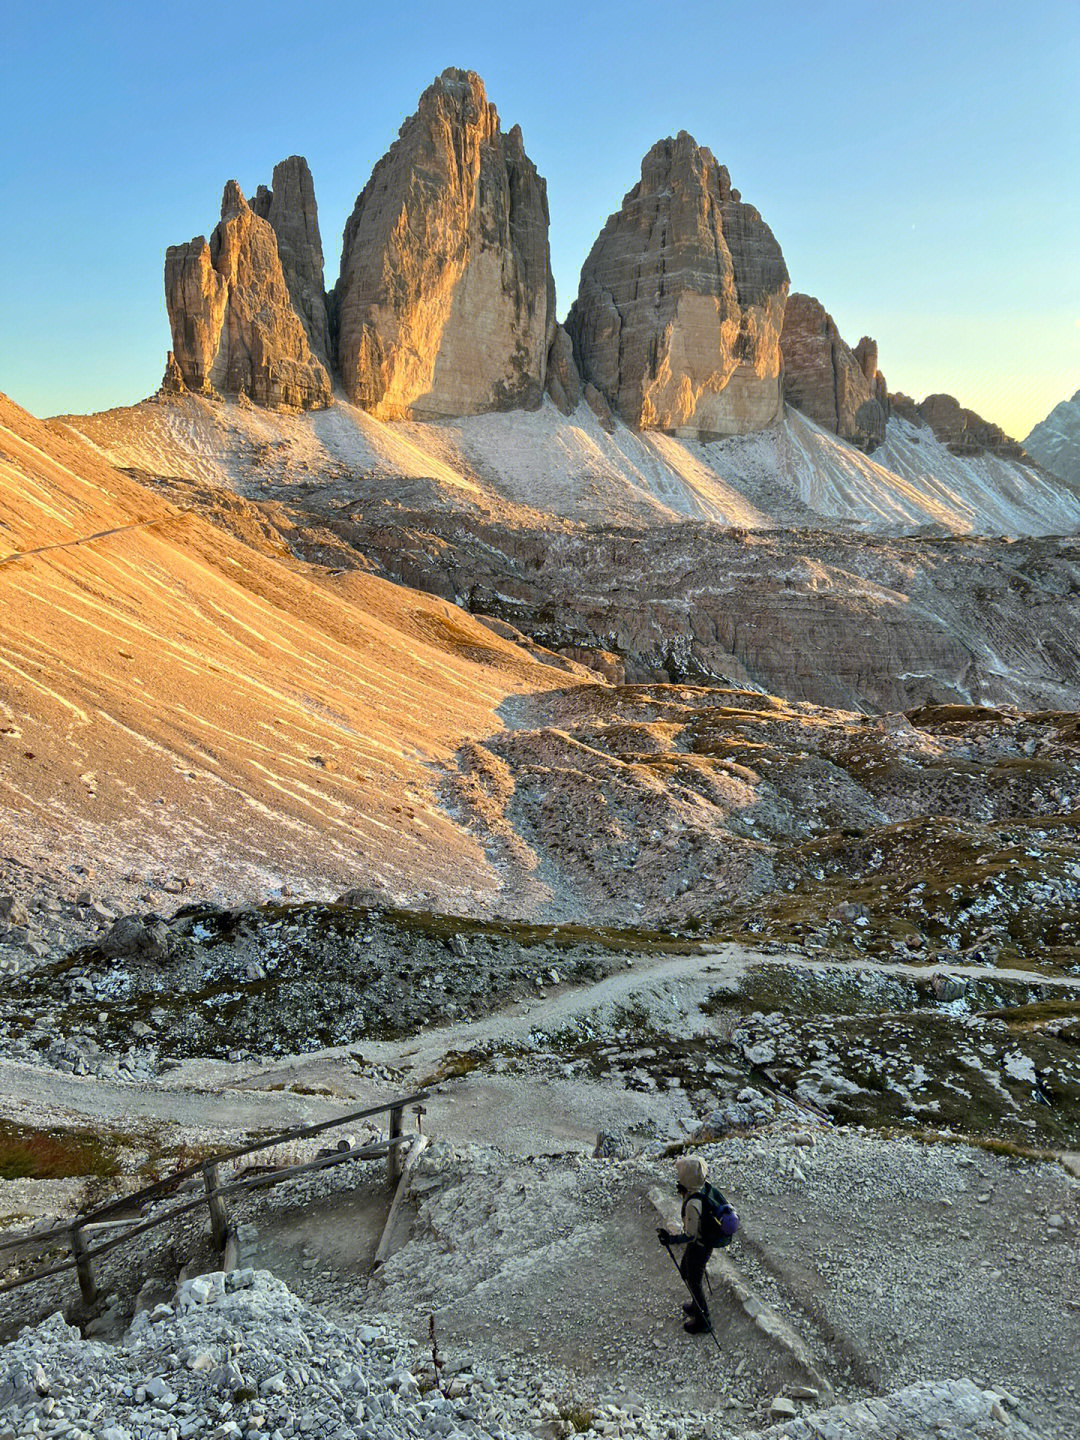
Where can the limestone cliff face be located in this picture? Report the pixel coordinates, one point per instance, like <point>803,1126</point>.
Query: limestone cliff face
<point>445,303</point>
<point>963,431</point>
<point>292,212</point>
<point>840,389</point>
<point>678,315</point>
<point>233,323</point>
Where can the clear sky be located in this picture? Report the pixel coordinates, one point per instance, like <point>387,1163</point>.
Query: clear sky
<point>918,162</point>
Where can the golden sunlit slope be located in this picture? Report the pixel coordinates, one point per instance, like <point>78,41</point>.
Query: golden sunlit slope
<point>173,702</point>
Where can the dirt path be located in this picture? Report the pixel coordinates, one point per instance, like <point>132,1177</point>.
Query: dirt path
<point>157,520</point>
<point>221,1098</point>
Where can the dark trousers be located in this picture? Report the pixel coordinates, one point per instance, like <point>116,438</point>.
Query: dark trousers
<point>692,1267</point>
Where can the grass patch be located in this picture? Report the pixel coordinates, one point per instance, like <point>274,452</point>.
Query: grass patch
<point>579,1417</point>
<point>28,1154</point>
<point>994,1145</point>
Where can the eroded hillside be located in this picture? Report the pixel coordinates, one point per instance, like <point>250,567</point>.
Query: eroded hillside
<point>180,708</point>
<point>786,560</point>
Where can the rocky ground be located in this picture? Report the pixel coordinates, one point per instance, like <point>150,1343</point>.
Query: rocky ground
<point>840,1152</point>
<point>948,831</point>
<point>238,1355</point>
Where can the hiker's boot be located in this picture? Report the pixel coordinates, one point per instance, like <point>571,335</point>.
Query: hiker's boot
<point>689,1308</point>
<point>696,1325</point>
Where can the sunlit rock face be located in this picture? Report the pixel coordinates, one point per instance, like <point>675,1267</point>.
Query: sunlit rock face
<point>840,389</point>
<point>446,303</point>
<point>678,315</point>
<point>234,327</point>
<point>290,208</point>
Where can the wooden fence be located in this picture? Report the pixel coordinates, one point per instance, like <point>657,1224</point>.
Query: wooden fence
<point>78,1233</point>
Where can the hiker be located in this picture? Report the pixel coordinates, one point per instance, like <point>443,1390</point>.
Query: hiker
<point>708,1221</point>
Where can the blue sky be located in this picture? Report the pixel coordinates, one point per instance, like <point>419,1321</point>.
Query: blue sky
<point>917,162</point>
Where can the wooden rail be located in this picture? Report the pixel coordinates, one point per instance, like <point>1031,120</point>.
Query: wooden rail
<point>213,1195</point>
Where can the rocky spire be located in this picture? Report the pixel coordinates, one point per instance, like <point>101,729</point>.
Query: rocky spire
<point>291,209</point>
<point>678,315</point>
<point>233,323</point>
<point>840,389</point>
<point>445,304</point>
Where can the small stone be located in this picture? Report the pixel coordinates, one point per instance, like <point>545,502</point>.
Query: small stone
<point>783,1408</point>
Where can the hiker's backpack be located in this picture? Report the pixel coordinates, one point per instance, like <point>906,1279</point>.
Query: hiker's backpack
<point>718,1219</point>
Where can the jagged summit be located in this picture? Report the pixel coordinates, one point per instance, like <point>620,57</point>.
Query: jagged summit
<point>678,315</point>
<point>234,325</point>
<point>290,208</point>
<point>446,303</point>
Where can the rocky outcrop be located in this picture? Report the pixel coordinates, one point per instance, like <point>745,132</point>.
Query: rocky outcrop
<point>962,431</point>
<point>290,208</point>
<point>678,315</point>
<point>235,329</point>
<point>563,380</point>
<point>445,304</point>
<point>840,389</point>
<point>598,404</point>
<point>1055,442</point>
<point>172,382</point>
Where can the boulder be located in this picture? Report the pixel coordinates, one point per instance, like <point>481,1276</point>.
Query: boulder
<point>840,389</point>
<point>948,988</point>
<point>446,304</point>
<point>234,326</point>
<point>13,912</point>
<point>678,314</point>
<point>131,937</point>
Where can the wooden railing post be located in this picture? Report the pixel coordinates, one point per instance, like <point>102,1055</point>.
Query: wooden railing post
<point>219,1216</point>
<point>394,1158</point>
<point>83,1267</point>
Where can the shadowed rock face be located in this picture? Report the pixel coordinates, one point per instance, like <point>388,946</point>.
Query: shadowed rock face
<point>563,380</point>
<point>840,389</point>
<point>964,432</point>
<point>446,303</point>
<point>1055,441</point>
<point>678,315</point>
<point>290,208</point>
<point>233,323</point>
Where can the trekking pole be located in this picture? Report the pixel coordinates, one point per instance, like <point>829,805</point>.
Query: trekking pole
<point>697,1307</point>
